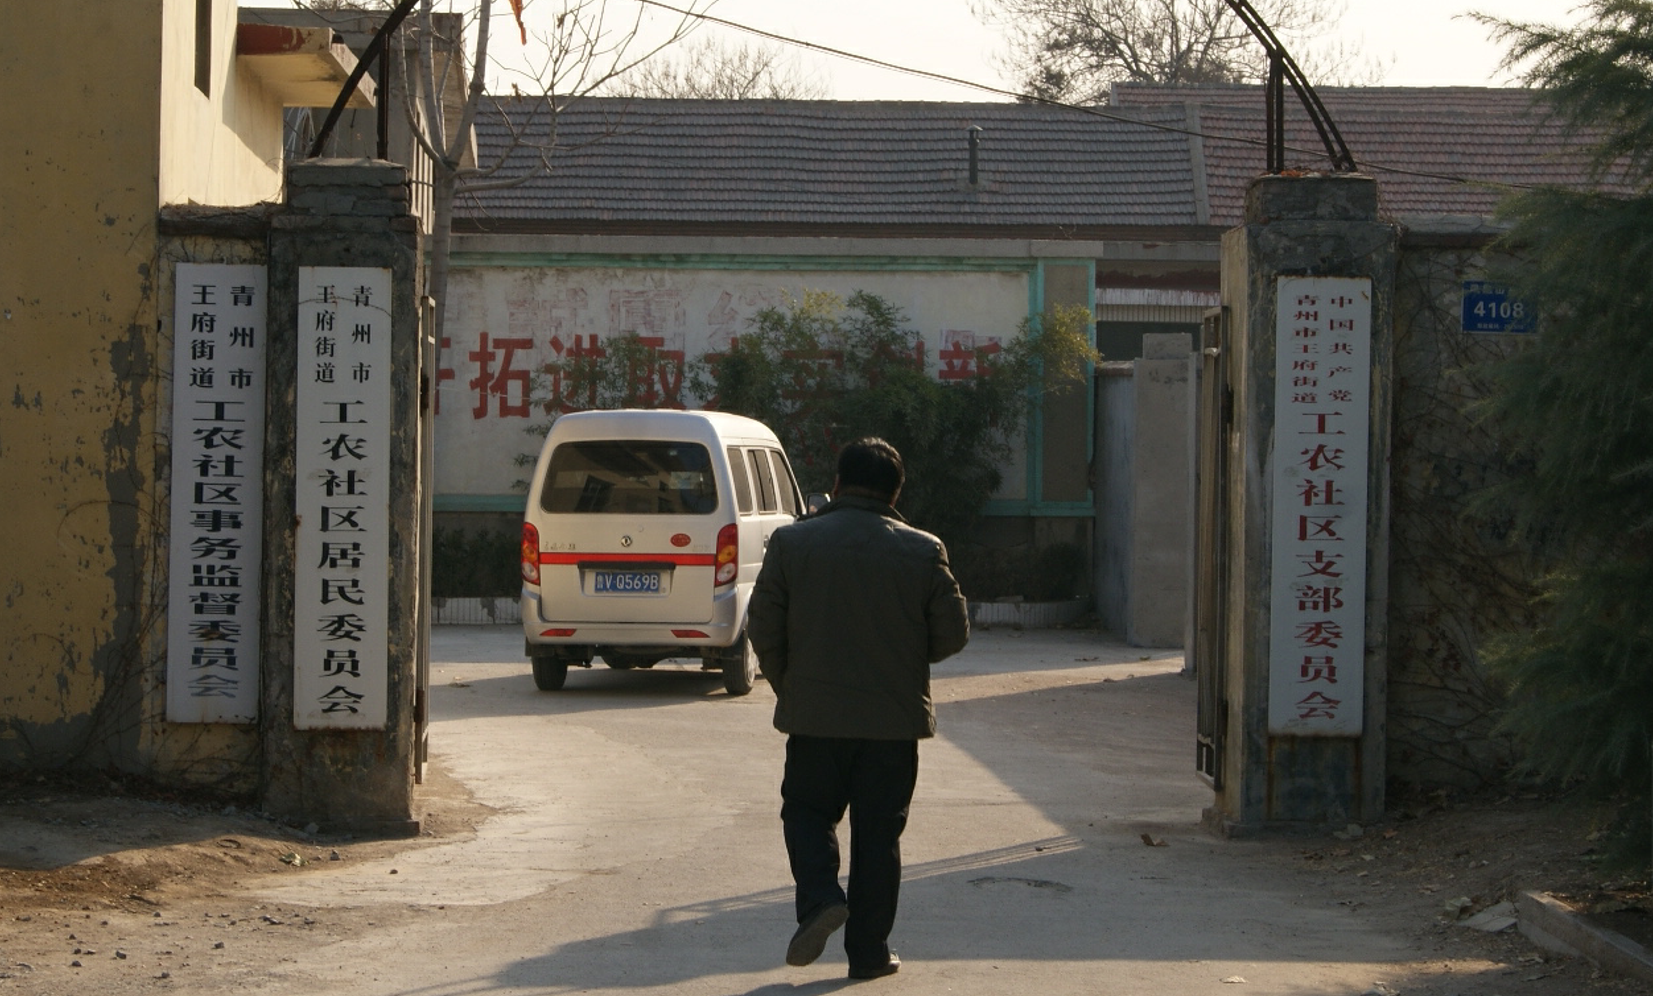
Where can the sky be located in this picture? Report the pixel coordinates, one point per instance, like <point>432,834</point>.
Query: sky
<point>1418,42</point>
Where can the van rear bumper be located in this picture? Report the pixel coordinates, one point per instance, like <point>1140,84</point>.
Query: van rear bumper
<point>722,630</point>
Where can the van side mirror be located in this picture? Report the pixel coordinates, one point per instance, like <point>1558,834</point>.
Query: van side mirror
<point>815,502</point>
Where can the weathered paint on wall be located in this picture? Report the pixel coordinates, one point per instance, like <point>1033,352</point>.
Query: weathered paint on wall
<point>506,323</point>
<point>1457,573</point>
<point>84,333</point>
<point>217,754</point>
<point>1296,226</point>
<point>78,324</point>
<point>1116,494</point>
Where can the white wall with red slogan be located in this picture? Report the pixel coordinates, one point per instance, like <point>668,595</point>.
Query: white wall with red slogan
<point>506,323</point>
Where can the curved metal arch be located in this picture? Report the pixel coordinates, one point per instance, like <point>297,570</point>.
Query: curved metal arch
<point>1282,68</point>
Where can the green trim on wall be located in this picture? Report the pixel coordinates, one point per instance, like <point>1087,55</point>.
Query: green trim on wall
<point>723,261</point>
<point>1090,397</point>
<point>1035,469</point>
<point>480,503</point>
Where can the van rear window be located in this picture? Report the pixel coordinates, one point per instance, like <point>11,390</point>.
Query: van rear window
<point>635,477</point>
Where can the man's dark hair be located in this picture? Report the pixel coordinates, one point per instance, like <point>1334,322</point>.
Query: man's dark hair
<point>871,465</point>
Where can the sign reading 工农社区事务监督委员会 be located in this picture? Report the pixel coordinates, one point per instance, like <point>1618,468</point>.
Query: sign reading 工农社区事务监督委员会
<point>1317,599</point>
<point>217,534</point>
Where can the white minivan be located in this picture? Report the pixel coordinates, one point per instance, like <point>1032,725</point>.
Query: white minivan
<point>643,535</point>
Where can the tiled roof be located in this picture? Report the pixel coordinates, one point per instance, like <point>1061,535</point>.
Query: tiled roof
<point>1433,150</point>
<point>624,165</point>
<point>825,163</point>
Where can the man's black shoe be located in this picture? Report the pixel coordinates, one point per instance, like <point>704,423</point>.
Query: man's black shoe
<point>878,971</point>
<point>810,940</point>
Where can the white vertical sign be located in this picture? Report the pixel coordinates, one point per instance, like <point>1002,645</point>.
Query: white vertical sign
<point>1322,401</point>
<point>342,548</point>
<point>217,493</point>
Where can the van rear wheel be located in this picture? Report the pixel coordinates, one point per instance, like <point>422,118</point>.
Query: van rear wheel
<point>740,668</point>
<point>549,673</point>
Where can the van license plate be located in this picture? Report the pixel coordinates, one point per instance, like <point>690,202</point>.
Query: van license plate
<point>625,582</point>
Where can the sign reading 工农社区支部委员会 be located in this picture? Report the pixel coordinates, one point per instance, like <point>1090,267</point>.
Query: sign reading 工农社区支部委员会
<point>1317,599</point>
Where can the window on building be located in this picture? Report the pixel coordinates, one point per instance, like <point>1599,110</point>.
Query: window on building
<point>203,46</point>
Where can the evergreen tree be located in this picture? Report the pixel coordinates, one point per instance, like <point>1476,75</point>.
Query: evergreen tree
<point>1575,409</point>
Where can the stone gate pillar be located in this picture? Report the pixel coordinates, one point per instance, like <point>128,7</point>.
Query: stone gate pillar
<point>342,519</point>
<point>1307,287</point>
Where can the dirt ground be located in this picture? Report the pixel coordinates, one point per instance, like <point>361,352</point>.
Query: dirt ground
<point>1435,863</point>
<point>105,890</point>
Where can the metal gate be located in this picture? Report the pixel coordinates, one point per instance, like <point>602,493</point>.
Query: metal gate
<point>427,533</point>
<point>1213,425</point>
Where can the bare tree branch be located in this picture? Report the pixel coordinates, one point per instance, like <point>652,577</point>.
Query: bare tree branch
<point>713,70</point>
<point>1074,50</point>
<point>585,48</point>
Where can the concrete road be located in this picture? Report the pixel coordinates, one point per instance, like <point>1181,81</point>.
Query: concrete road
<point>637,846</point>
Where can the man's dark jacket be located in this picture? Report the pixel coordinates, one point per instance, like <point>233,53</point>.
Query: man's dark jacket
<point>850,610</point>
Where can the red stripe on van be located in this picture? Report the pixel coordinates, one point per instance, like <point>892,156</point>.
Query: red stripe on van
<point>675,559</point>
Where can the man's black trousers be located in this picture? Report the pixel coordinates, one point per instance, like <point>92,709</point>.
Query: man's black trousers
<point>874,779</point>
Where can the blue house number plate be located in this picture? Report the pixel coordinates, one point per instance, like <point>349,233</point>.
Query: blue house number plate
<point>1489,307</point>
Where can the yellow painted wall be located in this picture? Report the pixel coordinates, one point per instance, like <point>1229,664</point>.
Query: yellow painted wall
<point>77,322</point>
<point>91,88</point>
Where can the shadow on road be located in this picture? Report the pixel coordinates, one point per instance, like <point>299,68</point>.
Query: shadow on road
<point>598,689</point>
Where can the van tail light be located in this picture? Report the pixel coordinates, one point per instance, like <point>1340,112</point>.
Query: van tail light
<point>728,555</point>
<point>530,554</point>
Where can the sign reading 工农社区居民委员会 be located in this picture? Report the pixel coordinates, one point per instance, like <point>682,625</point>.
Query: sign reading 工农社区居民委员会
<point>341,590</point>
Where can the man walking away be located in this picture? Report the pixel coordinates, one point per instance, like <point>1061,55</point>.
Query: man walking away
<point>851,608</point>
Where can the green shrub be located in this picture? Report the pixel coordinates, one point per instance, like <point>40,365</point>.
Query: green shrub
<point>824,371</point>
<point>486,564</point>
<point>1053,573</point>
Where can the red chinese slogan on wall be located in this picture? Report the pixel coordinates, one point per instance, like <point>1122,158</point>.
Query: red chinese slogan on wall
<point>1322,398</point>
<point>341,668</point>
<point>217,493</point>
<point>531,369</point>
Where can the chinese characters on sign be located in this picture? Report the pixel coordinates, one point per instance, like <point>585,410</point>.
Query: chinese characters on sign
<point>217,493</point>
<point>1322,394</point>
<point>342,547</point>
<point>524,373</point>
